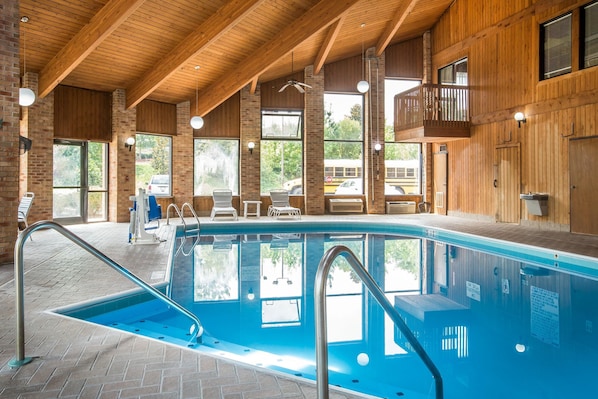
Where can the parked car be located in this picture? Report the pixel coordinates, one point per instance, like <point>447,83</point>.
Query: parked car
<point>355,186</point>
<point>159,185</point>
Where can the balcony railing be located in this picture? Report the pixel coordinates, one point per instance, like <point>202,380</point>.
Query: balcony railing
<point>432,111</point>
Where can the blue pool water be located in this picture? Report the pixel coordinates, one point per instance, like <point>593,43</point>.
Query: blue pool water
<point>514,326</point>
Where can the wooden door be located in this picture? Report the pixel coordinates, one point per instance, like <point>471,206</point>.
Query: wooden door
<point>583,163</point>
<point>440,182</point>
<point>507,184</point>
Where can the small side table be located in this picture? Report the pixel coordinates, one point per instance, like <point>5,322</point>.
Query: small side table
<point>257,205</point>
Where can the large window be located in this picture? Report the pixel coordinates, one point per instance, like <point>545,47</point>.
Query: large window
<point>590,35</point>
<point>401,160</point>
<point>281,151</point>
<point>556,47</point>
<point>343,144</point>
<point>216,165</point>
<point>153,159</point>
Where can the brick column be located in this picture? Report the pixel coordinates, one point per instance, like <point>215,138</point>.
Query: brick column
<point>37,124</point>
<point>122,161</point>
<point>374,117</point>
<point>313,151</point>
<point>250,131</point>
<point>182,159</point>
<point>9,130</point>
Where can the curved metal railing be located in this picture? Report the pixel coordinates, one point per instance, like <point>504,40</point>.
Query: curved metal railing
<point>180,213</point>
<point>196,329</point>
<point>320,316</point>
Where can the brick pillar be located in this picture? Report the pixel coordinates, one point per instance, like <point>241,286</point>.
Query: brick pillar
<point>9,130</point>
<point>250,131</point>
<point>37,124</point>
<point>182,159</point>
<point>374,118</point>
<point>122,161</point>
<point>313,151</point>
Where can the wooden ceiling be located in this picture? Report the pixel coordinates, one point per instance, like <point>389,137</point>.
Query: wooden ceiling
<point>151,47</point>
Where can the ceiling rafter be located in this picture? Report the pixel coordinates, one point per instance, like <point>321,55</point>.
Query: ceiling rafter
<point>218,24</point>
<point>106,21</point>
<point>321,15</point>
<point>327,45</point>
<point>405,8</point>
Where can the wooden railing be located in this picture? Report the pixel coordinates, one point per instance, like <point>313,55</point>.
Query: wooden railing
<point>432,105</point>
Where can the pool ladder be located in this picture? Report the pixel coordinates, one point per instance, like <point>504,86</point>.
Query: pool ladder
<point>180,213</point>
<point>195,331</point>
<point>374,289</point>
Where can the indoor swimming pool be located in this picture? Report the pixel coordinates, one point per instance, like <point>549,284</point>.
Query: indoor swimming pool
<point>498,320</point>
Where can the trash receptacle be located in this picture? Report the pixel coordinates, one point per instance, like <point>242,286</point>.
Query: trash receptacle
<point>536,203</point>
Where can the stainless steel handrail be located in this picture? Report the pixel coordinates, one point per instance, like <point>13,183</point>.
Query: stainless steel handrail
<point>196,329</point>
<point>180,213</point>
<point>320,316</point>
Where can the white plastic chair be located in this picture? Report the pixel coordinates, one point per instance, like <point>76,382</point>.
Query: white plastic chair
<point>281,206</point>
<point>223,203</point>
<point>23,210</point>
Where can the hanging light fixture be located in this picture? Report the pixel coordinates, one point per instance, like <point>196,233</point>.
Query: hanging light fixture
<point>362,86</point>
<point>26,95</point>
<point>197,121</point>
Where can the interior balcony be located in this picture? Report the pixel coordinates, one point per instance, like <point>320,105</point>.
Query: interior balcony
<point>432,113</point>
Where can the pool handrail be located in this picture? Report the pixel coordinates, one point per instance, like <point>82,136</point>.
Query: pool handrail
<point>374,289</point>
<point>196,330</point>
<point>180,213</point>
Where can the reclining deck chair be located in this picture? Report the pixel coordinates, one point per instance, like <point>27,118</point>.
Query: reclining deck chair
<point>281,206</point>
<point>223,203</point>
<point>23,210</point>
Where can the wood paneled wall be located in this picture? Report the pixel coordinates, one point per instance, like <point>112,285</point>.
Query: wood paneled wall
<point>156,117</point>
<point>405,60</point>
<point>501,41</point>
<point>342,76</point>
<point>81,114</point>
<point>223,121</point>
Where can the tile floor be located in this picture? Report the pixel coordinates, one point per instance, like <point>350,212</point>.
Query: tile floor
<point>72,359</point>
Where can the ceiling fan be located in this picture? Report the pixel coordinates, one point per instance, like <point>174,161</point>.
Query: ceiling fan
<point>295,83</point>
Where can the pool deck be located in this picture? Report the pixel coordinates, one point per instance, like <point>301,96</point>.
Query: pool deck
<point>73,359</point>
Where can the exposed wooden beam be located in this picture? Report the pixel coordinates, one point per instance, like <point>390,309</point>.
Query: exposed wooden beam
<point>405,8</point>
<point>101,25</point>
<point>327,45</point>
<point>253,87</point>
<point>218,24</point>
<point>321,15</point>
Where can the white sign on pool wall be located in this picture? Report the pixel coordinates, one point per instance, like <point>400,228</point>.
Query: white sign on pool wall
<point>473,290</point>
<point>545,316</point>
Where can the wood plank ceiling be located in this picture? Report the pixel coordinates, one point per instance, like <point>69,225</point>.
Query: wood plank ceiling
<point>151,47</point>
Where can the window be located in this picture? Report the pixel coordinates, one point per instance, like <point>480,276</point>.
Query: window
<point>281,151</point>
<point>590,35</point>
<point>152,163</point>
<point>454,74</point>
<point>216,165</point>
<point>343,143</point>
<point>401,160</point>
<point>556,47</point>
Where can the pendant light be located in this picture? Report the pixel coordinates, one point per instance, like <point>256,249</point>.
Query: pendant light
<point>362,86</point>
<point>197,121</point>
<point>26,95</point>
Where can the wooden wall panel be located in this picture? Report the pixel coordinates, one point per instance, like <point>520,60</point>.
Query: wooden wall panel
<point>81,114</point>
<point>289,99</point>
<point>405,60</point>
<point>156,117</point>
<point>223,121</point>
<point>342,76</point>
<point>501,42</point>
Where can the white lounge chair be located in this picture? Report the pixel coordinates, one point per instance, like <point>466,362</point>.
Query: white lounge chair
<point>223,203</point>
<point>23,210</point>
<point>281,206</point>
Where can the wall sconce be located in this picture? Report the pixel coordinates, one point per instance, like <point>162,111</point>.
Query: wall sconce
<point>377,148</point>
<point>130,142</point>
<point>250,294</point>
<point>520,118</point>
<point>251,146</point>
